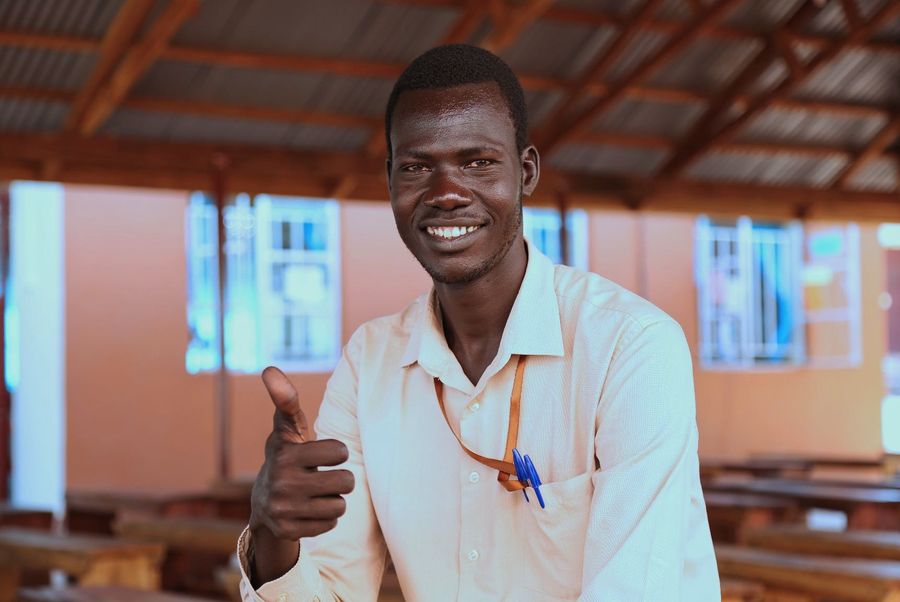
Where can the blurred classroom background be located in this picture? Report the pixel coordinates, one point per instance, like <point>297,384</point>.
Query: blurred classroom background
<point>733,161</point>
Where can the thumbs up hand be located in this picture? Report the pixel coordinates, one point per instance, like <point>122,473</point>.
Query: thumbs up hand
<point>291,497</point>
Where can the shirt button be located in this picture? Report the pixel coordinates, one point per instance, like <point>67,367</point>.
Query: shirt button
<point>282,597</point>
<point>474,407</point>
<point>473,555</point>
<point>474,477</point>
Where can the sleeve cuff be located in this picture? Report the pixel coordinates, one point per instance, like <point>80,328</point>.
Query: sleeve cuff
<point>302,583</point>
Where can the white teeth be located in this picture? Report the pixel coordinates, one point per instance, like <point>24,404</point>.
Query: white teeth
<point>449,233</point>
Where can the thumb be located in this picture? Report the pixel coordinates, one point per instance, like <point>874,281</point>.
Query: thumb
<point>288,416</point>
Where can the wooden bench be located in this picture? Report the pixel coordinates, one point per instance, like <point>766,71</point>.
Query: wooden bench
<point>866,507</point>
<point>883,545</point>
<point>12,516</point>
<point>195,548</point>
<point>734,590</point>
<point>732,515</point>
<point>89,560</point>
<point>812,578</point>
<point>100,594</point>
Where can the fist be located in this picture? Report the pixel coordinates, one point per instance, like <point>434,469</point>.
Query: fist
<point>291,497</point>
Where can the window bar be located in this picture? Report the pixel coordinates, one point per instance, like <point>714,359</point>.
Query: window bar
<point>745,267</point>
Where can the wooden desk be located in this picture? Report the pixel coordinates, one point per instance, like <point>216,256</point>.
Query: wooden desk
<point>11,516</point>
<point>195,548</point>
<point>866,507</point>
<point>882,545</point>
<point>733,515</point>
<point>742,591</point>
<point>849,580</point>
<point>90,560</point>
<point>100,594</point>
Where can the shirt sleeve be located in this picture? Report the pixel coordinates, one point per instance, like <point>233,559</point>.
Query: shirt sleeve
<point>347,562</point>
<point>648,538</point>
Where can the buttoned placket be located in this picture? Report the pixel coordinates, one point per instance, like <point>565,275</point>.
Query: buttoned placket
<point>471,535</point>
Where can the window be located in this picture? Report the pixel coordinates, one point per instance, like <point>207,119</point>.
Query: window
<point>282,298</point>
<point>542,228</point>
<point>750,300</point>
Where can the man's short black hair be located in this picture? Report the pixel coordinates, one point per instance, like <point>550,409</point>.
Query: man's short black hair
<point>456,65</point>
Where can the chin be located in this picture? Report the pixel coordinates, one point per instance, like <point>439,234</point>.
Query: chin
<point>445,273</point>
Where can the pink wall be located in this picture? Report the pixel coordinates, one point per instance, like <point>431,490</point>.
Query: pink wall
<point>137,420</point>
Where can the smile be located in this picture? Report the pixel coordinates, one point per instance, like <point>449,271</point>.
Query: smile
<point>450,233</point>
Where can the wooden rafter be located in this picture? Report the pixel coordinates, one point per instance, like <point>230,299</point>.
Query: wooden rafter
<point>118,37</point>
<point>134,63</point>
<point>788,84</point>
<point>705,125</point>
<point>608,57</point>
<point>363,68</point>
<point>558,131</point>
<point>186,166</point>
<point>876,147</point>
<point>595,18</point>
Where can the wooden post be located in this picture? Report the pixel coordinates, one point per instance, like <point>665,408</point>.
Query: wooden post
<point>5,397</point>
<point>223,402</point>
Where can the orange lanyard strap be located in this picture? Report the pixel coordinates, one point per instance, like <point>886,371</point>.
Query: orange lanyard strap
<point>505,466</point>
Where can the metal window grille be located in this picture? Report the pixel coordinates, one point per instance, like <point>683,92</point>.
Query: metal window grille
<point>541,226</point>
<point>749,293</point>
<point>282,301</point>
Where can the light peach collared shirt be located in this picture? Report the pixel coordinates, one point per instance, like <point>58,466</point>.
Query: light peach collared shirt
<point>608,383</point>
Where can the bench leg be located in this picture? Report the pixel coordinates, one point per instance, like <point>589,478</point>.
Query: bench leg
<point>139,573</point>
<point>9,583</point>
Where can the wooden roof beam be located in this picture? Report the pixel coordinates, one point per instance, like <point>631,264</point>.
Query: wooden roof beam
<point>558,130</point>
<point>705,126</point>
<point>608,57</point>
<point>782,90</point>
<point>135,62</point>
<point>515,19</point>
<point>118,38</point>
<point>26,39</point>
<point>876,147</point>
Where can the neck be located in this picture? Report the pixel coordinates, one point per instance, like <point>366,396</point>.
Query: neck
<point>475,313</point>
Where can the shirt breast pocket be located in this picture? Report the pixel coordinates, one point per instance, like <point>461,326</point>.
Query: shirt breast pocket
<point>554,536</point>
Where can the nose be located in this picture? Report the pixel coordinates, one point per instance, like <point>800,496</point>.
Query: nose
<point>446,193</point>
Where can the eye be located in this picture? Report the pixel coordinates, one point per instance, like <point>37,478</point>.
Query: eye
<point>480,163</point>
<point>413,167</point>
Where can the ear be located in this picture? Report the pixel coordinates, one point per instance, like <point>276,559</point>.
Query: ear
<point>531,169</point>
<point>387,165</point>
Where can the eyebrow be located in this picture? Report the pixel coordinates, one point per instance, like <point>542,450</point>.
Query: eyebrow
<point>470,151</point>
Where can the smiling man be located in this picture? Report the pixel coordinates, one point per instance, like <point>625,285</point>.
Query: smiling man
<point>508,356</point>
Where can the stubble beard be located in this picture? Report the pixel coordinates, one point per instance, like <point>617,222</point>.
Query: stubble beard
<point>510,235</point>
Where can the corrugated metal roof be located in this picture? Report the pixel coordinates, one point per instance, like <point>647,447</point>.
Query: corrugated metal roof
<point>616,7</point>
<point>30,116</point>
<point>782,169</point>
<point>642,46</point>
<point>556,49</point>
<point>793,125</point>
<point>761,15</point>
<point>86,18</point>
<point>706,65</point>
<point>878,175</point>
<point>607,159</point>
<point>857,76</point>
<point>355,28</point>
<point>164,126</point>
<point>636,116</point>
<point>42,68</point>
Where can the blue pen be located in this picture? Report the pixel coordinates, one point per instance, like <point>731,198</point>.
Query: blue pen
<point>534,479</point>
<point>521,471</point>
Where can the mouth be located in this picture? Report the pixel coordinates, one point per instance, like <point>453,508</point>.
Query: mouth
<point>451,233</point>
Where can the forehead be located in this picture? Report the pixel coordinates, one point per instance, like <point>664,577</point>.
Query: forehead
<point>476,112</point>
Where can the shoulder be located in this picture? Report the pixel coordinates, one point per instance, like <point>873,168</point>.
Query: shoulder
<point>389,329</point>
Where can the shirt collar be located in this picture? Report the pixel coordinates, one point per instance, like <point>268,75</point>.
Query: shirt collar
<point>533,326</point>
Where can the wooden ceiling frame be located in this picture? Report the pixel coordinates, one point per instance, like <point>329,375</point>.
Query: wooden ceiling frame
<point>762,101</point>
<point>558,130</point>
<point>186,166</point>
<point>120,35</point>
<point>136,60</point>
<point>705,125</point>
<point>877,146</point>
<point>362,68</point>
<point>594,18</point>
